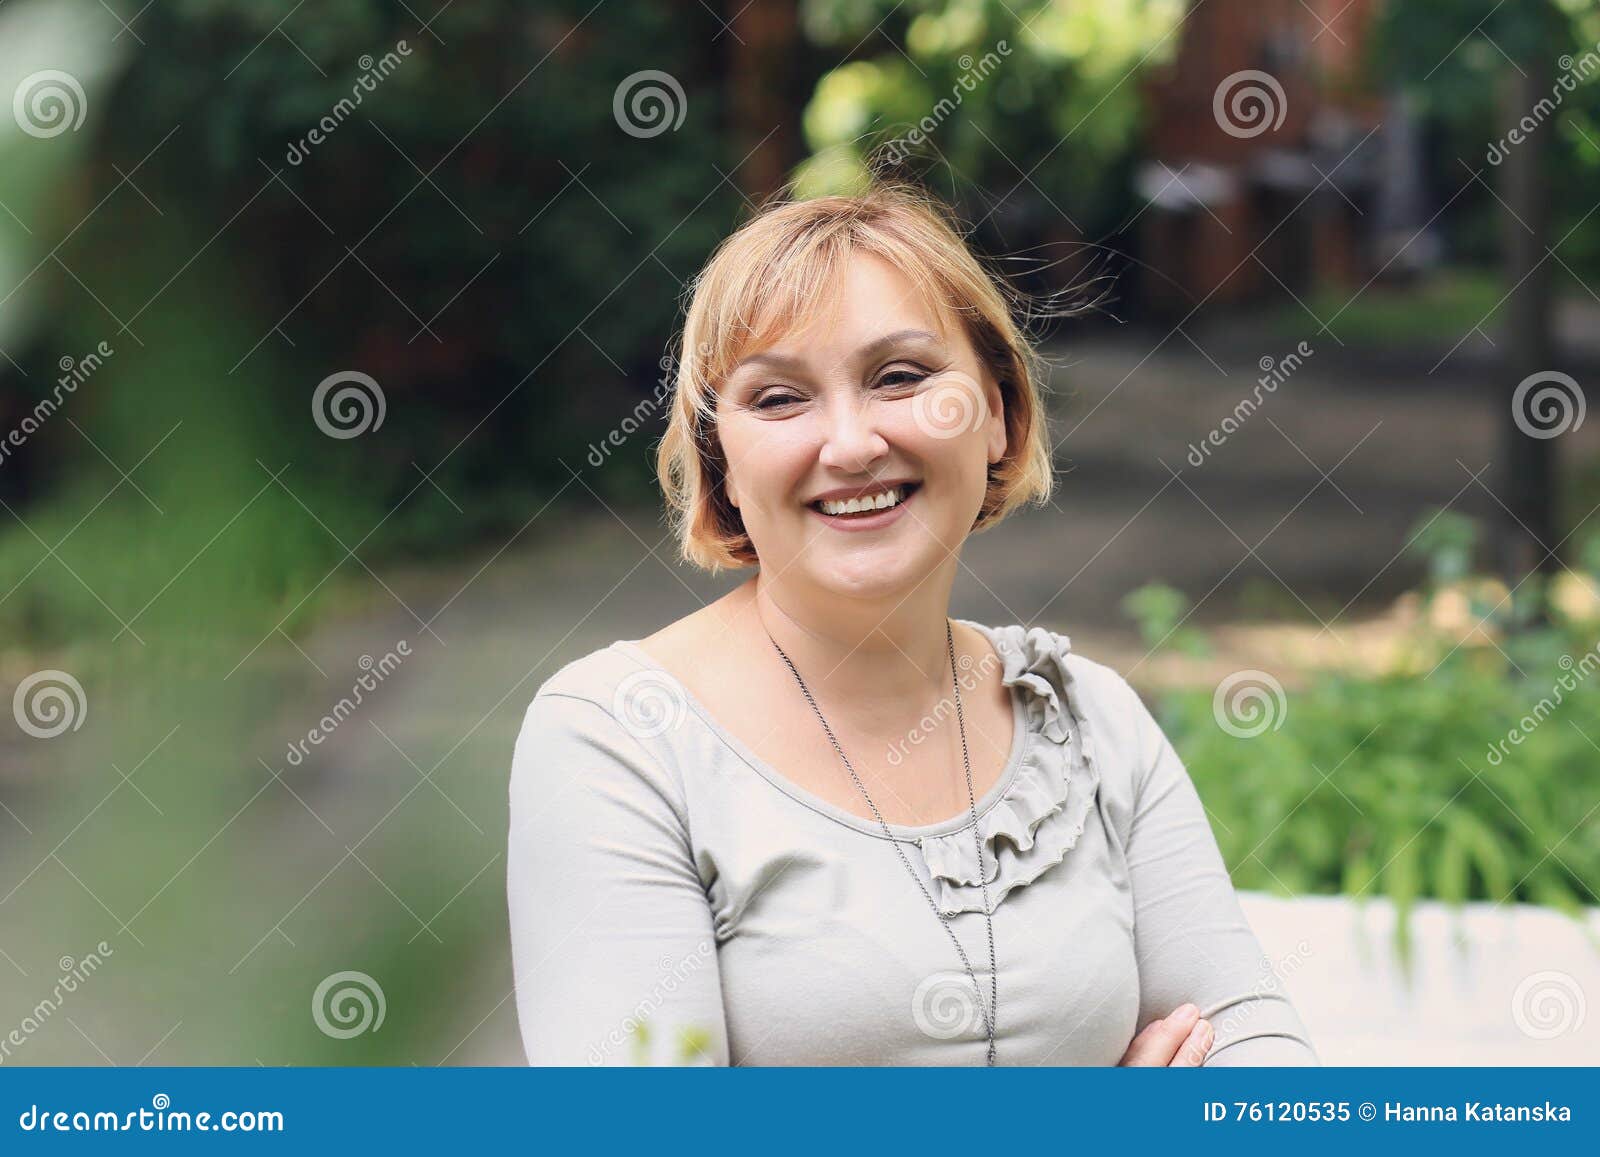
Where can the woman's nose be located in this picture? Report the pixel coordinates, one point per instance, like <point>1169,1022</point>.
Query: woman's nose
<point>852,442</point>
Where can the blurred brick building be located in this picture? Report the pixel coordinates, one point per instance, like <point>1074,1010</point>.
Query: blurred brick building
<point>1271,160</point>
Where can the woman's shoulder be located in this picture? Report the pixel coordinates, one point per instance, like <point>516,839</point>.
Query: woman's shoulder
<point>627,676</point>
<point>593,676</point>
<point>636,682</point>
<point>595,722</point>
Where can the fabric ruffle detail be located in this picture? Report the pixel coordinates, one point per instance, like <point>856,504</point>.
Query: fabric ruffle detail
<point>1043,811</point>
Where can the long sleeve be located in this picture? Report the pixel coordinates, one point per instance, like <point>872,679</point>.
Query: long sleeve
<point>611,928</point>
<point>1191,938</point>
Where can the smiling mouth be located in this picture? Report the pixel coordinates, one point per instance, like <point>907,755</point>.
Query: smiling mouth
<point>866,505</point>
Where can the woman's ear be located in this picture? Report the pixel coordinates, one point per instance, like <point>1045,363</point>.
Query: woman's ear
<point>995,424</point>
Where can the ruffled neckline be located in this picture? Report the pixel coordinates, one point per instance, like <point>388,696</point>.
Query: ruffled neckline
<point>1028,820</point>
<point>1042,811</point>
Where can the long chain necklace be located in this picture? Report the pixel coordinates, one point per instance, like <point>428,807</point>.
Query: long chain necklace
<point>990,1011</point>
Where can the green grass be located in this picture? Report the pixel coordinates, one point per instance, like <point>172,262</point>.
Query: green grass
<point>1439,308</point>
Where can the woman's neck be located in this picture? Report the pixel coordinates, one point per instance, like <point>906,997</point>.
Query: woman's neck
<point>883,656</point>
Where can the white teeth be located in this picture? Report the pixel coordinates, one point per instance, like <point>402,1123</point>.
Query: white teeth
<point>880,501</point>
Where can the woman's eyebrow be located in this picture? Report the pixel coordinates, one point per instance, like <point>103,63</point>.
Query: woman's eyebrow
<point>775,361</point>
<point>866,353</point>
<point>889,340</point>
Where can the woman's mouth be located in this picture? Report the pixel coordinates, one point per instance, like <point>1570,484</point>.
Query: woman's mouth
<point>868,512</point>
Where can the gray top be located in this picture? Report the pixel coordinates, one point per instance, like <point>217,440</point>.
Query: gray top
<point>660,874</point>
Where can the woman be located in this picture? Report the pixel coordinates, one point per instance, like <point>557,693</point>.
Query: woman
<point>818,821</point>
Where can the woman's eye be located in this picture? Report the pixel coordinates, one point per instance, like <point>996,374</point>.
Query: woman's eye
<point>774,400</point>
<point>901,378</point>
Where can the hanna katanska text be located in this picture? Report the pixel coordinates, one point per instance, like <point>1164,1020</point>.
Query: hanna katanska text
<point>1475,1111</point>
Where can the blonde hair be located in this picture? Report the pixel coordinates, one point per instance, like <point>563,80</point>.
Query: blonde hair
<point>768,277</point>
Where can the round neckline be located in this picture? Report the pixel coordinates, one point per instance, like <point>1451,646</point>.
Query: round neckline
<point>1021,738</point>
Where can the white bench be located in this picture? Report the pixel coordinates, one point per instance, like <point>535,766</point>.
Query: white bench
<point>1516,991</point>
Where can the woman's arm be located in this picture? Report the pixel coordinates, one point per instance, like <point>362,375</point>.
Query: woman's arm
<point>1190,935</point>
<point>610,925</point>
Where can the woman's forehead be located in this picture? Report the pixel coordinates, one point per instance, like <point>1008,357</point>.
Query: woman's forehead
<point>863,303</point>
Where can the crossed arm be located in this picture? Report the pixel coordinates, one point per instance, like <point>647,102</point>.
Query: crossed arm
<point>1191,939</point>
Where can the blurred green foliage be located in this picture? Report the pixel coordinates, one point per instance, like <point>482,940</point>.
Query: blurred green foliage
<point>1404,784</point>
<point>176,523</point>
<point>482,191</point>
<point>1453,57</point>
<point>692,1045</point>
<point>1059,96</point>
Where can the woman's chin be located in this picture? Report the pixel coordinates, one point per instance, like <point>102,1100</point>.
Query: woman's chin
<point>867,574</point>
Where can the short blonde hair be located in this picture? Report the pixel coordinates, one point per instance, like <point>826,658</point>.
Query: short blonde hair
<point>768,277</point>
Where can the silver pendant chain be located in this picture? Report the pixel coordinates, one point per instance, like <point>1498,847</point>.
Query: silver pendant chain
<point>990,1012</point>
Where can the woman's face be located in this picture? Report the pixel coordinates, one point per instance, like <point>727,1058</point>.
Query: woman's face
<point>866,403</point>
